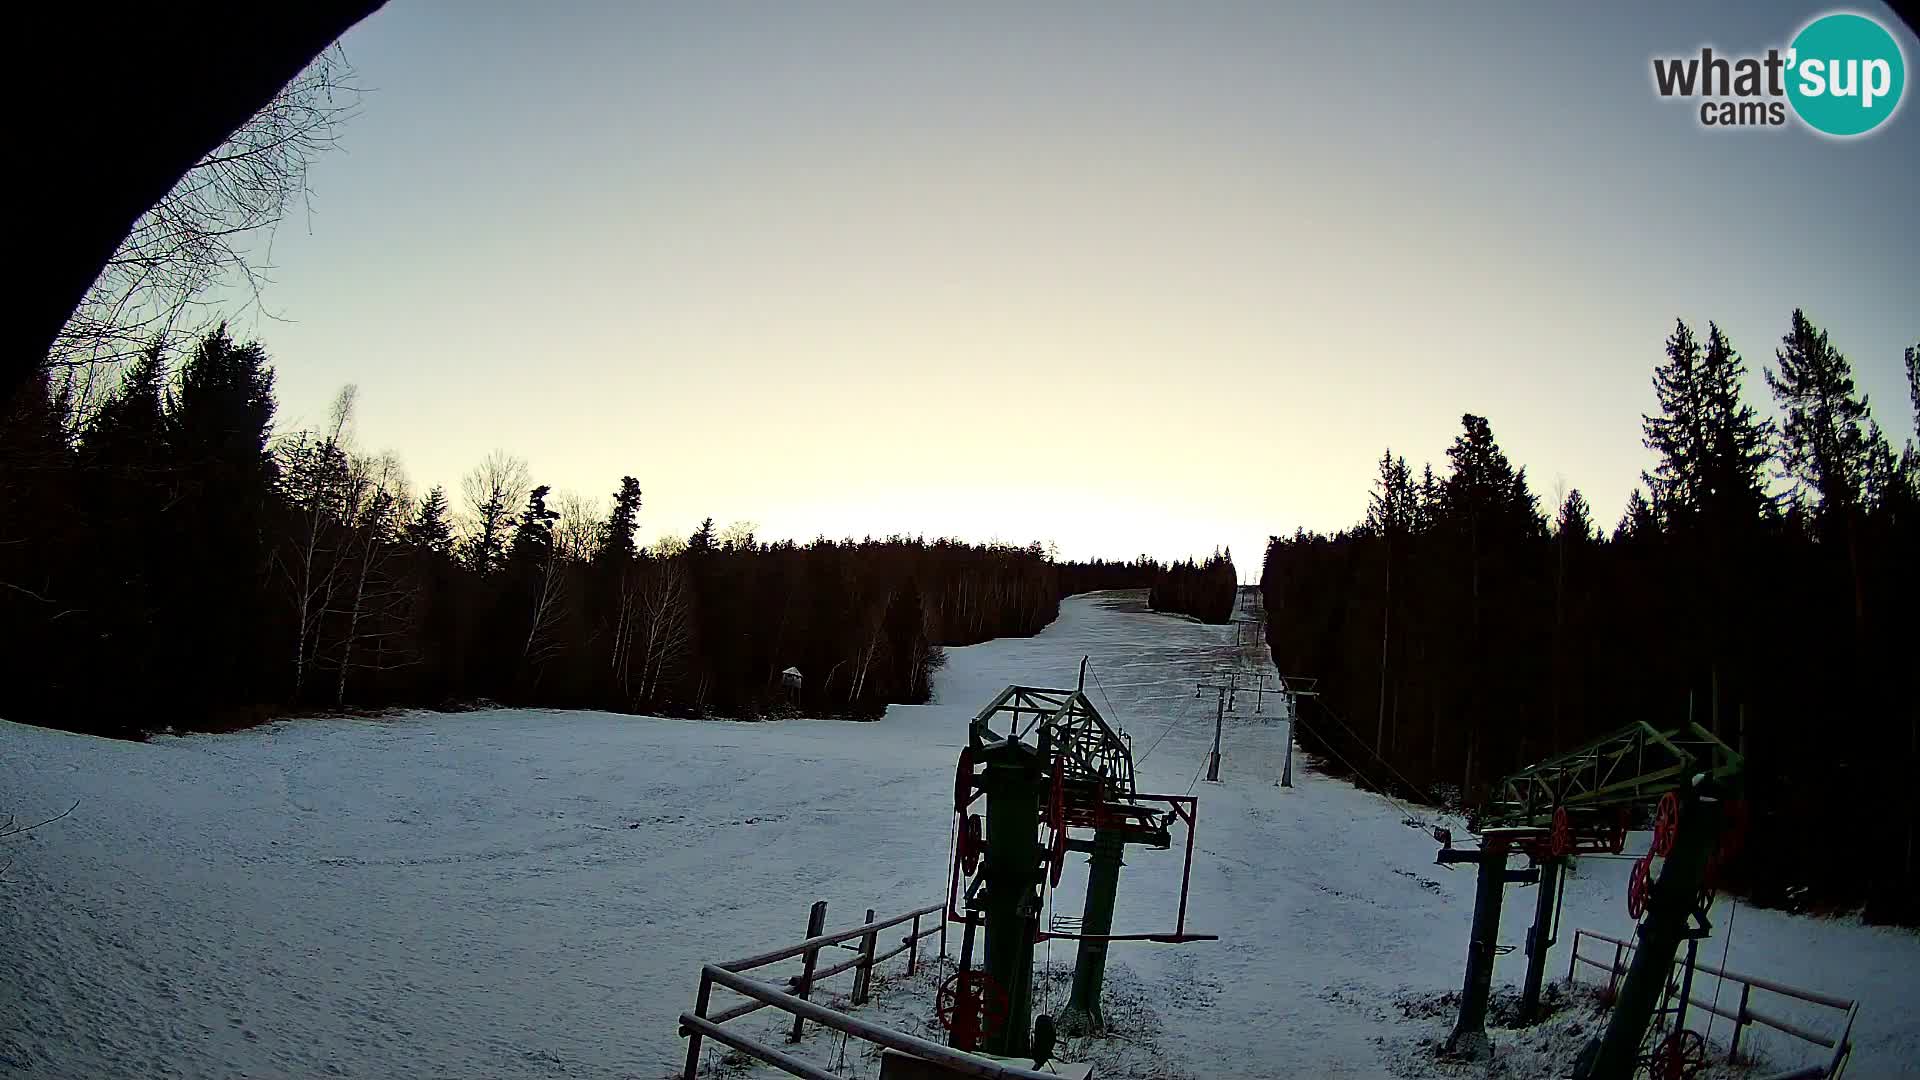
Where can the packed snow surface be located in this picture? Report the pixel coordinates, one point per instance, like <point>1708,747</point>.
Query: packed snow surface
<point>523,893</point>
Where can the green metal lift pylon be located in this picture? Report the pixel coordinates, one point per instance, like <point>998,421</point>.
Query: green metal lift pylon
<point>1631,766</point>
<point>1013,780</point>
<point>1081,771</point>
<point>1671,904</point>
<point>1083,1015</point>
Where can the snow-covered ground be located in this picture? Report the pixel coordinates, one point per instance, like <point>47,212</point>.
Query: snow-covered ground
<point>526,893</point>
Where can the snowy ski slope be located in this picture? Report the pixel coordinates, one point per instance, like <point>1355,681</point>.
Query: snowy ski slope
<point>524,893</point>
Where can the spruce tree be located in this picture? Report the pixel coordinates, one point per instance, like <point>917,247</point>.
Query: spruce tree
<point>533,536</point>
<point>701,542</point>
<point>616,543</point>
<point>431,530</point>
<point>1823,444</point>
<point>1738,443</point>
<point>218,420</point>
<point>1678,434</point>
<point>1638,524</point>
<point>1574,524</point>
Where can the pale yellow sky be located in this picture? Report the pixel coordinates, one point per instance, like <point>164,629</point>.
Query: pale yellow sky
<point>1126,278</point>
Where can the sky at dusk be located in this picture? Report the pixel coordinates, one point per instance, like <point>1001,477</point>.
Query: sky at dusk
<point>1127,278</point>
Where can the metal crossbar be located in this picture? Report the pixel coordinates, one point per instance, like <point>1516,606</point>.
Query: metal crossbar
<point>1631,765</point>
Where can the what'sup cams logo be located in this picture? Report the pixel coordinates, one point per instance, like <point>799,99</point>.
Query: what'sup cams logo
<point>1843,75</point>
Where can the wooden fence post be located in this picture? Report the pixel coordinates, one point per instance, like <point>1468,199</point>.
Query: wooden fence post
<point>863,971</point>
<point>913,945</point>
<point>1613,977</point>
<point>816,925</point>
<point>1573,955</point>
<point>1739,1021</point>
<point>693,1039</point>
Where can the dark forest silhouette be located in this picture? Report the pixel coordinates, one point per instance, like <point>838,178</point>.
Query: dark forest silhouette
<point>1459,635</point>
<point>168,561</point>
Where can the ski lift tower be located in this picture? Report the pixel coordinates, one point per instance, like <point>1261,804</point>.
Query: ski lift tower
<point>1583,801</point>
<point>1076,779</point>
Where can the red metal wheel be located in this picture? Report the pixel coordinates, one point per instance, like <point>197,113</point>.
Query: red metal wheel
<point>1562,838</point>
<point>971,1005</point>
<point>963,781</point>
<point>1666,824</point>
<point>1638,884</point>
<point>1682,1055</point>
<point>972,844</point>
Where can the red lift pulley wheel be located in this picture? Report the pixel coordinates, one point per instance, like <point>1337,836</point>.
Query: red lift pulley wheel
<point>971,1005</point>
<point>1666,824</point>
<point>1638,884</point>
<point>963,781</point>
<point>1682,1055</point>
<point>972,844</point>
<point>1562,838</point>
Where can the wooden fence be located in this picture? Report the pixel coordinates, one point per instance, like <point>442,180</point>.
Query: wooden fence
<point>1742,1013</point>
<point>792,997</point>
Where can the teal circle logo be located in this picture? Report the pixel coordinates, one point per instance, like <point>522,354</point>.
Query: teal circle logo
<point>1845,74</point>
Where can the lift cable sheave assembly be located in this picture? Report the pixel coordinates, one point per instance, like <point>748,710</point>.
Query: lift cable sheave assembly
<point>1055,778</point>
<point>1584,801</point>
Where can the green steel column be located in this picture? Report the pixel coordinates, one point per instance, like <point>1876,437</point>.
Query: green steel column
<point>1013,783</point>
<point>1469,1035</point>
<point>1665,926</point>
<point>1539,940</point>
<point>1083,1015</point>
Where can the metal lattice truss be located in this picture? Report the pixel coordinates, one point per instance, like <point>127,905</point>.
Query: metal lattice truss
<point>1098,760</point>
<point>1633,765</point>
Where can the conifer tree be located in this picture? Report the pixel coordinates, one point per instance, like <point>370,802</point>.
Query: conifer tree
<point>533,536</point>
<point>616,543</point>
<point>431,530</point>
<point>1823,443</point>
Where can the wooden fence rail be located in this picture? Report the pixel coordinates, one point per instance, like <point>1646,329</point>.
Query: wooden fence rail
<point>1743,1013</point>
<point>792,995</point>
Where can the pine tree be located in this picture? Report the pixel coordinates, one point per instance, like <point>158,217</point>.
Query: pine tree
<point>1639,523</point>
<point>1393,507</point>
<point>1574,524</point>
<point>1823,442</point>
<point>1428,500</point>
<point>1484,489</point>
<point>128,426</point>
<point>617,542</point>
<point>701,542</point>
<point>533,536</point>
<point>431,529</point>
<point>1738,443</point>
<point>218,421</point>
<point>1678,434</point>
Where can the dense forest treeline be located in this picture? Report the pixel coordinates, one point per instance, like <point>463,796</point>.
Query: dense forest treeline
<point>1205,590</point>
<point>167,560</point>
<point>1763,582</point>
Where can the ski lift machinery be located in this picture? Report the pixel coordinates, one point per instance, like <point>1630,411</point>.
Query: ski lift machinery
<point>1045,762</point>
